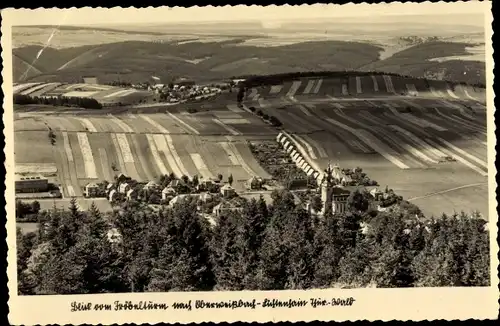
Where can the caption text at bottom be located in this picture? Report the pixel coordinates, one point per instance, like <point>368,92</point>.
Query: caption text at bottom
<point>204,304</point>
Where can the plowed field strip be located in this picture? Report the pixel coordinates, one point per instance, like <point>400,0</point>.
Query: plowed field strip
<point>77,156</point>
<point>293,89</point>
<point>346,138</point>
<point>289,120</point>
<point>421,151</point>
<point>230,154</point>
<point>209,152</point>
<point>63,168</point>
<point>359,89</point>
<point>184,145</point>
<point>217,152</point>
<point>310,127</point>
<point>453,121</point>
<point>370,139</point>
<point>88,158</point>
<point>118,152</point>
<point>406,153</point>
<point>88,124</point>
<point>74,188</point>
<point>141,163</point>
<point>248,161</point>
<point>375,83</point>
<point>105,165</point>
<point>128,158</point>
<point>125,127</point>
<point>161,168</point>
<point>99,166</point>
<point>162,146</point>
<point>201,166</point>
<point>229,129</point>
<point>464,153</point>
<point>275,89</point>
<point>388,84</point>
<point>317,146</point>
<point>183,124</point>
<point>308,147</point>
<point>183,162</point>
<point>432,152</point>
<point>318,86</point>
<point>309,86</point>
<point>458,158</point>
<point>155,124</point>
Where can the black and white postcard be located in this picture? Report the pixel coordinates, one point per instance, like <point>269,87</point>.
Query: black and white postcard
<point>221,164</point>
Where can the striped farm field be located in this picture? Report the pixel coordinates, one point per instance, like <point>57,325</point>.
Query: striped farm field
<point>88,157</point>
<point>158,164</point>
<point>126,156</point>
<point>179,147</point>
<point>64,123</point>
<point>76,151</point>
<point>101,154</point>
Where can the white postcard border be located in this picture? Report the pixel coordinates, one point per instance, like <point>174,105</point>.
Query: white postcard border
<point>370,304</point>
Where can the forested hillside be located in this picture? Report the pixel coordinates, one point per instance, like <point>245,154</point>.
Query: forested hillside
<point>264,247</point>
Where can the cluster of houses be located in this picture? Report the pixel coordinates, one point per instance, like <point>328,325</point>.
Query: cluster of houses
<point>205,191</point>
<point>176,93</point>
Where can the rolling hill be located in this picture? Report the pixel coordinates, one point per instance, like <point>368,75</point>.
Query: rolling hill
<point>136,61</point>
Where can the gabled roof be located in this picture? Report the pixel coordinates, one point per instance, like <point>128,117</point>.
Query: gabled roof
<point>227,186</point>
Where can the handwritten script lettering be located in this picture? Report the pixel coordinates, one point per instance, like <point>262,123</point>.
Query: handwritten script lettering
<point>206,304</point>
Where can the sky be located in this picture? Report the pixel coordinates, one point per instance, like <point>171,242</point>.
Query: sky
<point>103,16</point>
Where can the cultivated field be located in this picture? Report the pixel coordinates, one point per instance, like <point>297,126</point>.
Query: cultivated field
<point>102,93</point>
<point>144,146</point>
<point>426,140</point>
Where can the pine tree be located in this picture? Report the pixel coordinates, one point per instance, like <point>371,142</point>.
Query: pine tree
<point>225,253</point>
<point>96,223</point>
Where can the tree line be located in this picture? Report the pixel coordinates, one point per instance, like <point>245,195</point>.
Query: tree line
<point>275,79</point>
<point>259,247</point>
<point>81,102</point>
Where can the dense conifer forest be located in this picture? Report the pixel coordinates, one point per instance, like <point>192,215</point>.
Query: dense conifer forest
<point>155,248</point>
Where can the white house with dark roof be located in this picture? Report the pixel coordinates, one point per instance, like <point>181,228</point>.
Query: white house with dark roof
<point>91,190</point>
<point>227,190</point>
<point>123,188</point>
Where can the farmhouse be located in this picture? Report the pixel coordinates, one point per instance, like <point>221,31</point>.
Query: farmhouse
<point>255,183</point>
<point>150,186</point>
<point>177,199</point>
<point>31,183</point>
<point>227,190</point>
<point>225,207</point>
<point>123,188</point>
<point>91,190</point>
<point>131,194</point>
<point>112,195</point>
<point>167,192</point>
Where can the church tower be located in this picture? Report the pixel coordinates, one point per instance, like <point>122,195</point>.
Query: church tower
<point>327,185</point>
